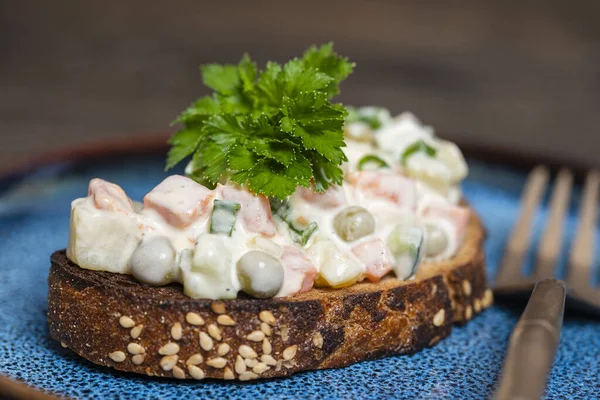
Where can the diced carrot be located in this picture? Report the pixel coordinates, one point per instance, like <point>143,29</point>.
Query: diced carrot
<point>108,196</point>
<point>375,256</point>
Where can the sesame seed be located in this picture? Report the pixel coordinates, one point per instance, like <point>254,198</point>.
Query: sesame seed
<point>223,349</point>
<point>218,362</point>
<point>256,336</point>
<point>168,362</point>
<point>466,286</point>
<point>290,352</point>
<point>169,349</point>
<point>194,319</point>
<point>268,359</point>
<point>477,305</point>
<point>318,340</point>
<point>218,308</point>
<point>176,331</point>
<point>248,375</point>
<point>468,312</point>
<point>134,348</point>
<point>488,298</point>
<point>228,374</point>
<point>267,316</point>
<point>247,351</point>
<point>266,346</point>
<point>117,356</point>
<point>136,331</point>
<point>206,342</point>
<point>138,359</point>
<point>225,320</point>
<point>434,289</point>
<point>250,362</point>
<point>240,365</point>
<point>214,331</point>
<point>63,345</point>
<point>195,372</point>
<point>126,322</point>
<point>284,333</point>
<point>195,359</point>
<point>266,328</point>
<point>260,368</point>
<point>438,318</point>
<point>178,372</point>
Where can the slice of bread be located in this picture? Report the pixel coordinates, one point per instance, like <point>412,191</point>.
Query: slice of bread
<point>113,320</point>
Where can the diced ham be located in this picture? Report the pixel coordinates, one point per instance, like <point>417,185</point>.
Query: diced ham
<point>458,216</point>
<point>299,272</point>
<point>332,197</point>
<point>180,200</point>
<point>388,185</point>
<point>108,196</point>
<point>255,212</point>
<point>374,254</point>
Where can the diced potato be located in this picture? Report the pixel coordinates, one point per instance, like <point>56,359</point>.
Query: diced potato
<point>180,200</point>
<point>255,212</point>
<point>336,269</point>
<point>450,154</point>
<point>99,240</point>
<point>109,197</point>
<point>374,254</point>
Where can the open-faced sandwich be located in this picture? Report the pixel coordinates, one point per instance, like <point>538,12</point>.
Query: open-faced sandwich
<point>304,235</point>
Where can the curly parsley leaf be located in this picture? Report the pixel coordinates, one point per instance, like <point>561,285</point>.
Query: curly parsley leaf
<point>270,130</point>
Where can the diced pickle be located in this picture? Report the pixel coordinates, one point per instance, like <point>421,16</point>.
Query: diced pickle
<point>353,222</point>
<point>260,274</point>
<point>222,219</point>
<point>405,245</point>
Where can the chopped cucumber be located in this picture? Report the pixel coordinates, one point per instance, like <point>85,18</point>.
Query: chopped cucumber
<point>405,244</point>
<point>418,147</point>
<point>371,159</point>
<point>222,219</point>
<point>282,210</point>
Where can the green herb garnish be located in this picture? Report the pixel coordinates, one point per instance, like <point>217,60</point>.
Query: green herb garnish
<point>371,159</point>
<point>372,121</point>
<point>418,147</point>
<point>271,130</point>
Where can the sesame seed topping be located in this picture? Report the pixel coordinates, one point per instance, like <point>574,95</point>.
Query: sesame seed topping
<point>268,359</point>
<point>256,336</point>
<point>194,319</point>
<point>218,362</point>
<point>290,352</point>
<point>206,342</point>
<point>260,368</point>
<point>138,359</point>
<point>225,320</point>
<point>195,359</point>
<point>466,286</point>
<point>214,331</point>
<point>223,349</point>
<point>248,375</point>
<point>468,312</point>
<point>477,305</point>
<point>434,289</point>
<point>178,372</point>
<point>218,308</point>
<point>318,340</point>
<point>169,349</point>
<point>63,345</point>
<point>117,356</point>
<point>284,333</point>
<point>135,348</point>
<point>126,322</point>
<point>438,318</point>
<point>228,374</point>
<point>267,316</point>
<point>488,298</point>
<point>240,365</point>
<point>247,351</point>
<point>176,331</point>
<point>250,362</point>
<point>195,372</point>
<point>266,346</point>
<point>136,331</point>
<point>168,362</point>
<point>266,328</point>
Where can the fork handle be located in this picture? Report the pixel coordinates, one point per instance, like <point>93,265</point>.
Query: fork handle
<point>533,343</point>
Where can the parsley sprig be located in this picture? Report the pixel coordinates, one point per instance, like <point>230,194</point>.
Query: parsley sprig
<point>270,130</point>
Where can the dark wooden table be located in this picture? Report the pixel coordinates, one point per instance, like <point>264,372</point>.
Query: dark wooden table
<point>522,75</point>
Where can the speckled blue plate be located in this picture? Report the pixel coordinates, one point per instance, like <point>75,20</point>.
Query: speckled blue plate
<point>34,222</point>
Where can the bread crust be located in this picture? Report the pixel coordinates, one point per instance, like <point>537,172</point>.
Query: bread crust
<point>322,328</point>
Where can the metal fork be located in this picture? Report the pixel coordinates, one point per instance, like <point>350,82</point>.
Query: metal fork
<point>535,339</point>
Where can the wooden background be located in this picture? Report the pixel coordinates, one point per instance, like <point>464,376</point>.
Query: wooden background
<point>520,75</point>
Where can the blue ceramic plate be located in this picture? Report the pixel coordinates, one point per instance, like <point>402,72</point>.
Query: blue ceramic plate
<point>34,222</point>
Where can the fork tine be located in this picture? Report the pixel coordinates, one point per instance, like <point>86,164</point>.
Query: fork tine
<point>550,245</point>
<point>518,243</point>
<point>582,252</point>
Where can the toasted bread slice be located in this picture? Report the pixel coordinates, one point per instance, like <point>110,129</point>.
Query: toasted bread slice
<point>113,320</point>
